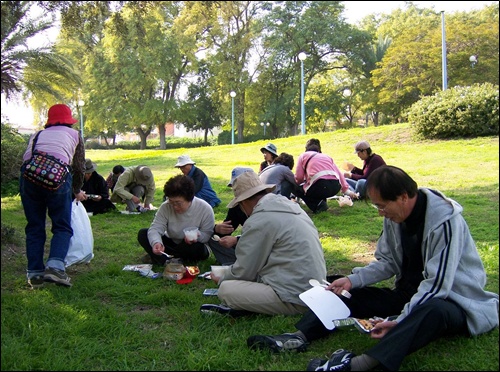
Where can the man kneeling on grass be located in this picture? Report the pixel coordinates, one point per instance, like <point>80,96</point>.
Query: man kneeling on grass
<point>439,287</point>
<point>278,252</point>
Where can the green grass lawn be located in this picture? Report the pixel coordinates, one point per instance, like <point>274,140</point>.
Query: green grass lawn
<point>113,319</point>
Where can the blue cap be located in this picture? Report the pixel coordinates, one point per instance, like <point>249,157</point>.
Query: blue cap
<point>236,172</point>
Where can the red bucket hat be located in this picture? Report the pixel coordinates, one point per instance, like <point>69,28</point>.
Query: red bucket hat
<point>61,114</point>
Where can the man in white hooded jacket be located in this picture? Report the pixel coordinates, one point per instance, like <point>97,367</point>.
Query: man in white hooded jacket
<point>439,288</point>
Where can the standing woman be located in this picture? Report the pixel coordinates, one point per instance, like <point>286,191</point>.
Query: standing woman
<point>60,140</point>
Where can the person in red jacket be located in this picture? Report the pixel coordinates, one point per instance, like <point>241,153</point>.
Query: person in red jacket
<point>356,177</point>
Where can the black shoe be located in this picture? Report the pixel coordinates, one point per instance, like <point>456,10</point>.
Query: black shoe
<point>339,361</point>
<point>36,281</point>
<point>279,343</point>
<point>322,206</point>
<point>56,276</point>
<point>222,309</point>
<point>147,259</point>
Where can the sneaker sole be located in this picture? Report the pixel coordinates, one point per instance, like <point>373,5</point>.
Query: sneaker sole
<point>58,281</point>
<point>266,343</point>
<point>316,363</point>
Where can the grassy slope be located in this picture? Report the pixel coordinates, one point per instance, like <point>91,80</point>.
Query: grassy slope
<point>117,320</point>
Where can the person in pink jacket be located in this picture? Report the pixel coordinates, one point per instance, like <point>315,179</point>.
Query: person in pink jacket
<point>320,178</point>
<point>61,140</point>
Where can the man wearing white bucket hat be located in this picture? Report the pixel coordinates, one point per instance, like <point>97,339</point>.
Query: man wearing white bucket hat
<point>278,252</point>
<point>202,187</point>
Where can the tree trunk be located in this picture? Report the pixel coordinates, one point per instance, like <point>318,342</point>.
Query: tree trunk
<point>161,131</point>
<point>144,136</point>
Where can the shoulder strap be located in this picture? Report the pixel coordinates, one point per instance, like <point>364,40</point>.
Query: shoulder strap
<point>34,141</point>
<point>307,162</point>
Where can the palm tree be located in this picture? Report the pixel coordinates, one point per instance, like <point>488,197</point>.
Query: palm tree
<point>39,70</point>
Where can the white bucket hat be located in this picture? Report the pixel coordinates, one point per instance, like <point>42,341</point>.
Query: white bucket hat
<point>183,160</point>
<point>247,185</point>
<point>360,146</point>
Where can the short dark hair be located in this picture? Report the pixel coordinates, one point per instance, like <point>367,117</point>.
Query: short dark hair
<point>391,182</point>
<point>313,147</point>
<point>179,185</point>
<point>118,169</point>
<point>285,159</point>
<point>313,141</point>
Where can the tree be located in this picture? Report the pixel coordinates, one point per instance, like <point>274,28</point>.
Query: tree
<point>199,112</point>
<point>40,71</point>
<point>138,68</point>
<point>411,67</point>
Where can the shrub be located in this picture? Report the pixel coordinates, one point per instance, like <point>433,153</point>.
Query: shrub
<point>13,147</point>
<point>458,112</point>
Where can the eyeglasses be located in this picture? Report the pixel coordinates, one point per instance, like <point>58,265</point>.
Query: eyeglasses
<point>381,210</point>
<point>176,203</point>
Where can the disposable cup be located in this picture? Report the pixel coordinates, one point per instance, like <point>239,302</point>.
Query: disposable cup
<point>219,270</point>
<point>191,233</point>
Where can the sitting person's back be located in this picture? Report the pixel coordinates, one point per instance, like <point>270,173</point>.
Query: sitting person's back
<point>280,174</point>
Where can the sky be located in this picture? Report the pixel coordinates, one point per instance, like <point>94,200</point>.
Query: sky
<point>21,115</point>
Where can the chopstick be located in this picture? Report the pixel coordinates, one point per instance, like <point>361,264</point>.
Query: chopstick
<point>343,293</point>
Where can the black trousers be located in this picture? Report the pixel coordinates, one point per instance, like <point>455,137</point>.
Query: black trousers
<point>320,190</point>
<point>223,255</point>
<point>189,253</point>
<point>433,319</point>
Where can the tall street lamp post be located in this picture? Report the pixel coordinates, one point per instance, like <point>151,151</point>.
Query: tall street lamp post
<point>264,125</point>
<point>443,47</point>
<point>80,105</point>
<point>232,94</point>
<point>302,57</point>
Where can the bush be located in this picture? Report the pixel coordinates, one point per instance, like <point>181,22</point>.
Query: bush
<point>13,147</point>
<point>459,112</point>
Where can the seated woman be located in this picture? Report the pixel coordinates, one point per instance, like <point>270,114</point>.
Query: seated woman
<point>280,174</point>
<point>180,210</point>
<point>270,152</point>
<point>96,191</point>
<point>356,177</point>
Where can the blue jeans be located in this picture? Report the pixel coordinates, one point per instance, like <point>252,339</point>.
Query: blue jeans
<point>358,186</point>
<point>37,201</point>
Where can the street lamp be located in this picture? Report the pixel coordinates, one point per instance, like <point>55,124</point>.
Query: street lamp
<point>302,57</point>
<point>232,94</point>
<point>264,125</point>
<point>443,49</point>
<point>80,104</point>
<point>473,60</point>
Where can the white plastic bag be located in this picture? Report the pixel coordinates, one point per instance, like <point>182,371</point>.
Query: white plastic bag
<point>81,245</point>
<point>345,201</point>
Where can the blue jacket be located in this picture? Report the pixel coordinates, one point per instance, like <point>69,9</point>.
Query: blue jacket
<point>202,187</point>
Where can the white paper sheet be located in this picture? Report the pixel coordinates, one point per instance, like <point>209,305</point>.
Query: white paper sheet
<point>326,305</point>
